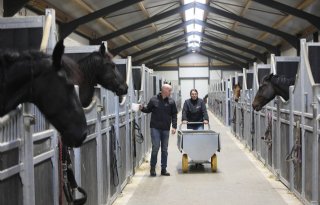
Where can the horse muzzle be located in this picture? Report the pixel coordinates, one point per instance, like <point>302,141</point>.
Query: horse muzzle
<point>73,139</point>
<point>122,90</point>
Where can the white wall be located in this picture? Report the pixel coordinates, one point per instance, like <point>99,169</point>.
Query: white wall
<point>193,59</point>
<point>215,74</point>
<point>289,52</point>
<point>75,40</point>
<point>169,75</point>
<point>193,72</point>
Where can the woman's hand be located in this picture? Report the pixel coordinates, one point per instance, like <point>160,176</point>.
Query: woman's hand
<point>205,122</point>
<point>184,122</point>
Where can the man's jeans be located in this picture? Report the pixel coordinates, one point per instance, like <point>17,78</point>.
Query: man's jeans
<point>159,137</point>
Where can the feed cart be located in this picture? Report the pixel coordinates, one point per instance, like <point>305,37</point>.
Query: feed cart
<point>200,146</point>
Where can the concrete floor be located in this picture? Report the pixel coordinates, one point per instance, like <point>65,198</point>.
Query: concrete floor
<point>240,179</point>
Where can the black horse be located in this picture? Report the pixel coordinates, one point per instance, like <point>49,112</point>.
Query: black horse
<point>32,76</point>
<point>271,86</point>
<point>97,68</point>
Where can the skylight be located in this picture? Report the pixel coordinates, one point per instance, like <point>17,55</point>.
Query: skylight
<point>191,14</point>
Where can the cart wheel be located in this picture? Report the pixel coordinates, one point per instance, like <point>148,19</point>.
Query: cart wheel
<point>214,163</point>
<point>185,163</point>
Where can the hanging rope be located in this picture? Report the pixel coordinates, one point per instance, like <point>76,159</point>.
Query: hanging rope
<point>295,153</point>
<point>138,135</point>
<point>267,138</point>
<point>114,161</point>
<point>69,183</point>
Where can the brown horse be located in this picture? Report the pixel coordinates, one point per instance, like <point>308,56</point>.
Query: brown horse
<point>271,86</point>
<point>236,92</point>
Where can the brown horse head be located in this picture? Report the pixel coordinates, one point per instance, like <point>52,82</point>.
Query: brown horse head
<point>236,92</point>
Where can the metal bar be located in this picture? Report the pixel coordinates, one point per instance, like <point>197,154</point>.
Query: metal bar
<point>258,55</point>
<point>67,28</point>
<point>10,7</point>
<point>158,45</point>
<point>315,20</point>
<point>242,64</point>
<point>294,41</point>
<point>148,21</point>
<point>167,56</point>
<point>226,51</point>
<point>172,57</point>
<point>159,53</point>
<point>271,48</point>
<point>149,37</point>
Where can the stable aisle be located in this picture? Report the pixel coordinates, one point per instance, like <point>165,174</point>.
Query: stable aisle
<point>240,179</point>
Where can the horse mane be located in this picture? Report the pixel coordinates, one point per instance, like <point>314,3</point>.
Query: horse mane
<point>8,57</point>
<point>87,64</point>
<point>71,69</point>
<point>282,80</point>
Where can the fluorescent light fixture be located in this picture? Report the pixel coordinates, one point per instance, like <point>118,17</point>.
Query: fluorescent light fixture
<point>194,38</point>
<point>191,1</point>
<point>194,44</point>
<point>190,28</point>
<point>197,27</point>
<point>189,14</point>
<point>198,14</point>
<point>188,1</point>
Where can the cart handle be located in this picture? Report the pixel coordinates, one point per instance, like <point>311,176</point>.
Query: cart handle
<point>194,123</point>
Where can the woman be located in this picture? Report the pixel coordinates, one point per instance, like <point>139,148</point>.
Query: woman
<point>194,110</point>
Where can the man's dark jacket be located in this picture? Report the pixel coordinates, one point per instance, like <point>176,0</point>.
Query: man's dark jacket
<point>194,111</point>
<point>164,111</point>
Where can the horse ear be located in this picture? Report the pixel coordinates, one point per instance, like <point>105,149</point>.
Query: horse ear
<point>102,49</point>
<point>269,76</point>
<point>57,55</point>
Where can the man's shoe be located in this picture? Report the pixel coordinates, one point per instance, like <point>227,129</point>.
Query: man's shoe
<point>164,172</point>
<point>153,172</point>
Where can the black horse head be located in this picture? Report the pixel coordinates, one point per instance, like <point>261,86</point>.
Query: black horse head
<point>271,86</point>
<point>32,76</point>
<point>98,68</point>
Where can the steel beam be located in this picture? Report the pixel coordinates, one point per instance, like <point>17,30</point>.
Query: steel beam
<point>211,46</point>
<point>148,21</point>
<point>171,58</point>
<point>11,7</point>
<point>260,56</point>
<point>271,48</point>
<point>67,28</point>
<point>226,58</point>
<point>168,56</point>
<point>294,41</point>
<point>158,45</point>
<point>149,37</point>
<point>314,20</point>
<point>201,52</point>
<point>159,53</point>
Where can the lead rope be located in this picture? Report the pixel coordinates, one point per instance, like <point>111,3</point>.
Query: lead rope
<point>68,183</point>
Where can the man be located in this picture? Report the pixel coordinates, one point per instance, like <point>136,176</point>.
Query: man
<point>194,110</point>
<point>164,112</point>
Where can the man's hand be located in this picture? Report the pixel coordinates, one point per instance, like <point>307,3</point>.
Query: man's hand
<point>205,122</point>
<point>173,131</point>
<point>184,122</point>
<point>140,106</point>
